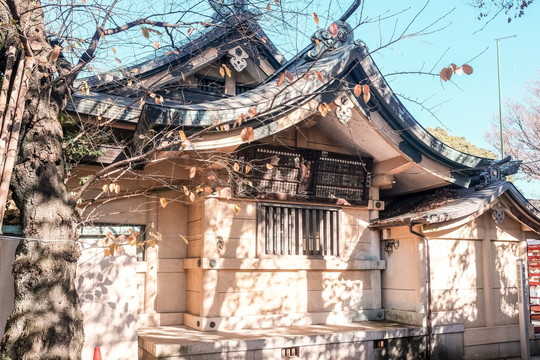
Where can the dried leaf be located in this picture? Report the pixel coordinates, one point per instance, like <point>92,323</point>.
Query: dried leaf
<point>156,45</point>
<point>106,252</point>
<point>192,172</point>
<point>236,167</point>
<point>289,76</point>
<point>190,31</point>
<point>145,32</point>
<point>333,30</point>
<point>247,134</point>
<point>222,72</point>
<point>277,2</point>
<point>316,18</point>
<point>191,196</point>
<point>117,189</point>
<point>269,166</point>
<point>454,67</point>
<point>163,202</point>
<point>182,135</point>
<point>268,7</point>
<point>467,69</point>
<point>105,188</point>
<point>319,76</point>
<point>55,53</point>
<point>306,75</point>
<point>186,190</point>
<point>357,90</point>
<point>185,239</point>
<point>252,112</point>
<point>241,118</point>
<point>458,71</point>
<point>248,169</point>
<point>446,73</point>
<point>323,109</point>
<point>111,187</point>
<point>227,70</point>
<point>208,189</point>
<point>113,50</point>
<point>280,80</point>
<point>211,177</point>
<point>367,93</point>
<point>118,60</point>
<point>237,209</point>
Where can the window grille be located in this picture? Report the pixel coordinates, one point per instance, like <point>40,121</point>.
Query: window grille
<point>211,85</point>
<point>298,230</point>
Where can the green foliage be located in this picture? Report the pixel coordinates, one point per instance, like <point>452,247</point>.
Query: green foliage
<point>460,143</point>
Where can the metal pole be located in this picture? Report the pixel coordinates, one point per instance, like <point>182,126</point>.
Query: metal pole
<point>500,98</point>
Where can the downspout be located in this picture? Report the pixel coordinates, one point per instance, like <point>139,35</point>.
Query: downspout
<point>428,283</point>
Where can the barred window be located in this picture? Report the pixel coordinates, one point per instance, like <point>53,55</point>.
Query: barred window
<point>298,230</point>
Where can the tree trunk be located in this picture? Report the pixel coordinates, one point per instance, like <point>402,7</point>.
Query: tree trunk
<point>46,322</point>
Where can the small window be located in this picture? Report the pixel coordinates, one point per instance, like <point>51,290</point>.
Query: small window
<point>99,231</point>
<point>298,230</point>
<point>242,88</point>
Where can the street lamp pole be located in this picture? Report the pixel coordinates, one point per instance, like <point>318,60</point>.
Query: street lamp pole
<point>500,98</point>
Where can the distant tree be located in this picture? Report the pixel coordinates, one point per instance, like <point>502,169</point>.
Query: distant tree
<point>521,132</point>
<point>512,8</point>
<point>460,143</point>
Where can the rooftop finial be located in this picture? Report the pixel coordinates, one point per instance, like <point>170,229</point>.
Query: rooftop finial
<point>225,8</point>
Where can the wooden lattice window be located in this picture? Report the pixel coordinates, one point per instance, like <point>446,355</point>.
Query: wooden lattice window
<point>298,230</point>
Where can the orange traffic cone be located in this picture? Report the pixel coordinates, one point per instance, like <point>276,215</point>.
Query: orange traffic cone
<point>97,353</point>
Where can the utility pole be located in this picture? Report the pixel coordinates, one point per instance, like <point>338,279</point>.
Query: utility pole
<point>500,99</point>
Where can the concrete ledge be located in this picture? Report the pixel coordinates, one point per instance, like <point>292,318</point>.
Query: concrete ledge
<point>180,341</point>
<point>282,263</point>
<point>159,319</point>
<point>405,317</point>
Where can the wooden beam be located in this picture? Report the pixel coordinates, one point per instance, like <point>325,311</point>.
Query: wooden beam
<point>392,166</point>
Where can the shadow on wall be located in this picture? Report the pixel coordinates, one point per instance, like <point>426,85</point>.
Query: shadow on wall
<point>108,294</point>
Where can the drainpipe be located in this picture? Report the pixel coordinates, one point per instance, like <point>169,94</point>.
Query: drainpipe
<point>428,283</point>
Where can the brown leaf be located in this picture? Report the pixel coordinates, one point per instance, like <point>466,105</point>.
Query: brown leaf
<point>269,166</point>
<point>184,238</point>
<point>319,76</point>
<point>156,45</point>
<point>280,80</point>
<point>333,30</point>
<point>467,69</point>
<point>306,75</point>
<point>252,112</point>
<point>118,60</point>
<point>454,67</point>
<point>248,169</point>
<point>190,31</point>
<point>145,32</point>
<point>268,7</point>
<point>192,172</point>
<point>277,2</point>
<point>227,70</point>
<point>105,188</point>
<point>211,177</point>
<point>113,50</point>
<point>163,202</point>
<point>237,209</point>
<point>357,90</point>
<point>323,109</point>
<point>236,167</point>
<point>55,53</point>
<point>111,187</point>
<point>241,118</point>
<point>446,73</point>
<point>191,196</point>
<point>367,93</point>
<point>222,72</point>
<point>208,189</point>
<point>182,135</point>
<point>247,134</point>
<point>316,18</point>
<point>289,76</point>
<point>186,190</point>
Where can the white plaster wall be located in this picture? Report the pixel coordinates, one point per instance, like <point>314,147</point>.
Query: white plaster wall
<point>7,255</point>
<point>107,288</point>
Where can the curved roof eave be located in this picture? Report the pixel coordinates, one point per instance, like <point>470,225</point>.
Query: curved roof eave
<point>397,115</point>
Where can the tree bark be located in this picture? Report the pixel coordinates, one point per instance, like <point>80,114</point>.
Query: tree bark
<point>46,322</point>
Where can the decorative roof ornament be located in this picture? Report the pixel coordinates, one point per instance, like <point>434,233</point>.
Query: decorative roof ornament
<point>225,8</point>
<point>238,60</point>
<point>343,108</point>
<point>493,173</point>
<point>324,40</point>
<point>498,213</point>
